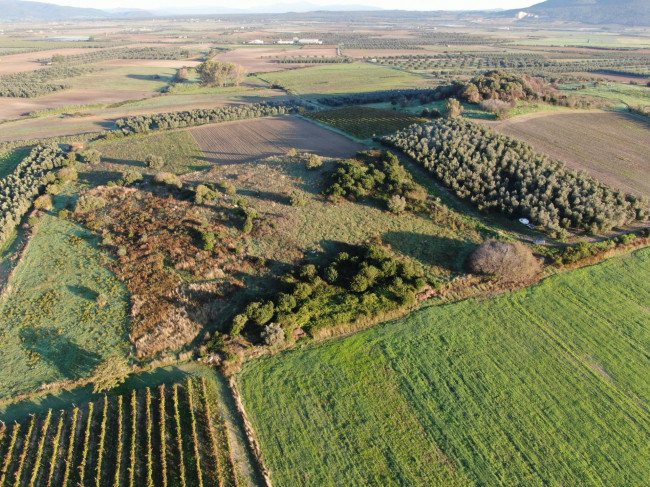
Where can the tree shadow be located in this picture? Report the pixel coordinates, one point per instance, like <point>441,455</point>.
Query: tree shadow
<point>124,162</point>
<point>71,360</point>
<point>431,250</point>
<point>265,195</point>
<point>83,292</point>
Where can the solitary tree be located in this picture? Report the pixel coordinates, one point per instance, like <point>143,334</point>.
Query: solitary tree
<point>453,108</point>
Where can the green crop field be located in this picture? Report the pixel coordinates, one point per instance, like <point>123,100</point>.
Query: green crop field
<point>529,388</point>
<point>124,78</point>
<point>363,122</point>
<point>343,78</point>
<point>63,312</point>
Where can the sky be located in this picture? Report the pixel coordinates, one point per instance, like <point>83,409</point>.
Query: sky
<point>387,4</point>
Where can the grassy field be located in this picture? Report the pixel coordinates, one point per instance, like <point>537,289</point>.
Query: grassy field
<point>124,78</point>
<point>343,78</point>
<point>63,313</point>
<point>363,122</point>
<point>610,146</point>
<point>620,94</point>
<point>529,388</point>
<point>179,150</point>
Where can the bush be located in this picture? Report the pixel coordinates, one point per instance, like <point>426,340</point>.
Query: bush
<point>397,204</point>
<point>260,313</point>
<point>453,108</point>
<point>131,176</point>
<point>238,324</point>
<point>298,198</point>
<point>44,202</point>
<point>67,174</point>
<point>88,203</point>
<point>273,335</point>
<point>314,162</point>
<point>509,261</point>
<point>155,162</point>
<point>110,374</point>
<point>168,179</point>
<point>92,157</point>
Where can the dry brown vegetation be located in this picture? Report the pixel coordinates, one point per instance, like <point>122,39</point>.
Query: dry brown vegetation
<point>177,287</point>
<point>611,147</point>
<point>263,59</point>
<point>508,261</point>
<point>250,140</point>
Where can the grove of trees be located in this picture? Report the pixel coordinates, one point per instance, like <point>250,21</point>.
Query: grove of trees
<point>217,73</point>
<point>500,173</point>
<point>19,189</point>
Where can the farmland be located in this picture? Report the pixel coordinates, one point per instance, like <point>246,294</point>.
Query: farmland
<point>611,147</point>
<point>173,434</point>
<point>346,78</point>
<point>529,388</point>
<point>257,139</point>
<point>264,59</point>
<point>362,122</point>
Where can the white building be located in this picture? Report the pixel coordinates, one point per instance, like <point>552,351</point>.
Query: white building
<point>309,41</point>
<point>256,41</point>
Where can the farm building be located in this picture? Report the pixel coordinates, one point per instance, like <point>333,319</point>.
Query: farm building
<point>309,41</point>
<point>256,41</point>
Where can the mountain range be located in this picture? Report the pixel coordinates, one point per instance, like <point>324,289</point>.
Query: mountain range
<point>622,12</point>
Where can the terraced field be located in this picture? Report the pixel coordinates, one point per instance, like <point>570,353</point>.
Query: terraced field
<point>529,388</point>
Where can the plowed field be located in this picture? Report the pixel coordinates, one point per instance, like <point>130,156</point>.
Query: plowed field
<point>250,140</point>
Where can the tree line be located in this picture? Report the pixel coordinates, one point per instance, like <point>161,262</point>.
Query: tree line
<point>18,189</point>
<point>502,174</point>
<point>201,116</point>
<point>41,81</point>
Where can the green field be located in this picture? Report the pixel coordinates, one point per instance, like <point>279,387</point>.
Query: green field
<point>55,326</point>
<point>530,388</point>
<point>343,78</point>
<point>617,93</point>
<point>364,122</point>
<point>124,78</point>
<point>179,151</point>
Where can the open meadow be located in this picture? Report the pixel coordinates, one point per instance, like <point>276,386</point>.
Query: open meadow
<point>529,388</point>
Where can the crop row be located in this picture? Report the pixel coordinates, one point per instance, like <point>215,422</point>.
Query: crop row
<point>99,445</point>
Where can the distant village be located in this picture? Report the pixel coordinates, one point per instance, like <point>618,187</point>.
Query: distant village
<point>295,40</point>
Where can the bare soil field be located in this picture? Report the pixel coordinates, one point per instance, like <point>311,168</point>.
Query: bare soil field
<point>612,147</point>
<point>264,59</point>
<point>17,63</point>
<point>251,140</point>
<point>11,108</point>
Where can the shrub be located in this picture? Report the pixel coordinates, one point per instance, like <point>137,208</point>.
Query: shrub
<point>286,302</point>
<point>121,251</point>
<point>397,204</point>
<point>88,203</point>
<point>298,198</point>
<point>92,157</point>
<point>509,261</point>
<point>155,162</point>
<point>227,188</point>
<point>44,202</point>
<point>110,374</point>
<point>67,174</point>
<point>131,176</point>
<point>168,179</point>
<point>273,335</point>
<point>260,313</point>
<point>314,162</point>
<point>453,108</point>
<point>238,324</point>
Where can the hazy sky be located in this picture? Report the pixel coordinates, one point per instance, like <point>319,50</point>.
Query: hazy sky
<point>389,4</point>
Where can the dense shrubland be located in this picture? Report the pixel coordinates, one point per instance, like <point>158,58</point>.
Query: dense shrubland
<point>377,174</point>
<point>41,81</point>
<point>22,186</point>
<point>421,96</point>
<point>499,173</point>
<point>201,116</point>
<point>216,73</point>
<point>362,282</point>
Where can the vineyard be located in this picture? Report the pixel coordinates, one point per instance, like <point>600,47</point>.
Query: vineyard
<point>172,435</point>
<point>363,122</point>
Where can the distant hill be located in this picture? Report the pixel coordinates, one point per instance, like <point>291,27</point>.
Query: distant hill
<point>20,10</point>
<point>623,12</point>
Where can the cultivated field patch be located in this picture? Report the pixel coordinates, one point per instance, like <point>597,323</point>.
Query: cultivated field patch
<point>264,59</point>
<point>363,122</point>
<point>250,140</point>
<point>529,388</point>
<point>612,147</point>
